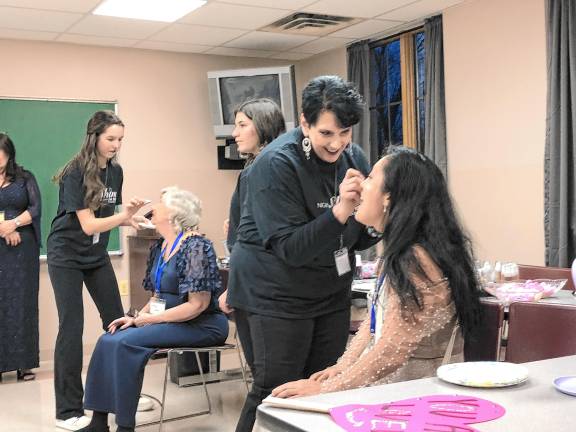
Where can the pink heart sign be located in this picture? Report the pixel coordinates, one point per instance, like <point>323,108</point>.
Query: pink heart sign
<point>437,413</point>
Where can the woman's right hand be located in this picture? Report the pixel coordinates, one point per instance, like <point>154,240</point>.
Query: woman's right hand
<point>327,373</point>
<point>222,302</point>
<point>123,323</point>
<point>132,207</point>
<point>349,199</point>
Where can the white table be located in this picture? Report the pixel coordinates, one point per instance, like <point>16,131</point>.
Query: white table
<point>532,406</point>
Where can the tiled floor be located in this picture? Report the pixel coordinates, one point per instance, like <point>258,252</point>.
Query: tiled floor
<point>29,406</point>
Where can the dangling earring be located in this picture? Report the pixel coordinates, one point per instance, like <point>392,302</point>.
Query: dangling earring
<point>350,149</point>
<point>385,209</point>
<point>307,147</point>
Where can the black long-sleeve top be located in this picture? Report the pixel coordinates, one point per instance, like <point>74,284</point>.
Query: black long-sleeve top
<point>283,261</point>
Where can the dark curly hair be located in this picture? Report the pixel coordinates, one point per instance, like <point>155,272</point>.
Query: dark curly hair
<point>332,93</point>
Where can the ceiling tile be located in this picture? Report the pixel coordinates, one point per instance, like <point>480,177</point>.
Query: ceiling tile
<point>275,4</point>
<point>365,29</point>
<point>233,16</point>
<point>269,41</point>
<point>322,44</point>
<point>96,40</point>
<point>199,35</point>
<point>239,52</point>
<point>30,19</point>
<point>289,55</point>
<point>418,10</point>
<point>28,35</point>
<point>116,27</point>
<point>360,9</point>
<point>172,46</point>
<point>58,5</point>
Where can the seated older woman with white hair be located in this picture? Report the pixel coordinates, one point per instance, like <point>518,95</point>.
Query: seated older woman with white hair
<point>183,312</point>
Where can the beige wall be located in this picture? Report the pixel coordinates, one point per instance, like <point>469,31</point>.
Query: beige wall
<point>495,69</point>
<point>163,100</point>
<point>332,62</point>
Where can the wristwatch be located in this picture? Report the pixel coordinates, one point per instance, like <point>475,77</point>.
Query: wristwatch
<point>17,222</point>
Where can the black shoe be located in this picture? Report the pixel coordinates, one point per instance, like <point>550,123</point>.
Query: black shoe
<point>25,375</point>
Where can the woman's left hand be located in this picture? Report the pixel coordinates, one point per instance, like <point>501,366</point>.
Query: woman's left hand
<point>304,387</point>
<point>145,318</point>
<point>7,227</point>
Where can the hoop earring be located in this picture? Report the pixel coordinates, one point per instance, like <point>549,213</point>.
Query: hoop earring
<point>307,147</point>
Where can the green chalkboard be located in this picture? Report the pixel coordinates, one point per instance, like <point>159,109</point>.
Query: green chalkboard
<point>46,134</point>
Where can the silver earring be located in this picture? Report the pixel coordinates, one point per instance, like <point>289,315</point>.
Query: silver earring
<point>385,209</point>
<point>307,147</point>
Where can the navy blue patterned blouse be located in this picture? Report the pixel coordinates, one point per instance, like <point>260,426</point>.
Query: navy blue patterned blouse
<point>192,269</point>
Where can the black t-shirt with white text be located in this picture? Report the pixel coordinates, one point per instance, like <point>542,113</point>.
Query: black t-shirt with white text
<point>68,245</point>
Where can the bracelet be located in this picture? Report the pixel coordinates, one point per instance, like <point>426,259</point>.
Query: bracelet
<point>372,232</point>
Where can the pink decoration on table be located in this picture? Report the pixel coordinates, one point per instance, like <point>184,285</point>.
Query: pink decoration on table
<point>441,413</point>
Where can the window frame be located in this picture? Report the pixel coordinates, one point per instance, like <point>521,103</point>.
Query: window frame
<point>408,82</point>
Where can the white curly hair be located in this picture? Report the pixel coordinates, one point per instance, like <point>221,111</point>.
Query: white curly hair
<point>185,208</point>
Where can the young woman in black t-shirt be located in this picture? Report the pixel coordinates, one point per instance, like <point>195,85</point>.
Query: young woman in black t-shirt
<point>90,189</point>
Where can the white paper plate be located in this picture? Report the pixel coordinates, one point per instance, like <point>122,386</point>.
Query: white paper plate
<point>483,374</point>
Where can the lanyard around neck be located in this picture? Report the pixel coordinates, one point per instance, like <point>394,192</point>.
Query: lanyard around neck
<point>162,264</point>
<point>374,305</point>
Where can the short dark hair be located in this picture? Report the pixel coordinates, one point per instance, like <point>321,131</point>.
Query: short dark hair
<point>332,93</point>
<point>267,118</point>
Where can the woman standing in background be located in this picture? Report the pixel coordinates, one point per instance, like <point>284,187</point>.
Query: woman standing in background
<point>257,123</point>
<point>20,209</point>
<point>90,189</point>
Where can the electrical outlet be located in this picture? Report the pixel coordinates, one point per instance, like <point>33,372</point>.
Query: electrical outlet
<point>124,288</point>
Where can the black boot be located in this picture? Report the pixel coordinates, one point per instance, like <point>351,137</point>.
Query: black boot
<point>99,423</point>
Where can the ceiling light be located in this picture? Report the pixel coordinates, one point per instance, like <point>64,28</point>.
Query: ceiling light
<point>151,10</point>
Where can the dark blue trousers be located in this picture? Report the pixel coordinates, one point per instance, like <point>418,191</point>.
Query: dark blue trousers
<point>116,369</point>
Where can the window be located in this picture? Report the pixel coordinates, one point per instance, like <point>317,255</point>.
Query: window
<point>397,75</point>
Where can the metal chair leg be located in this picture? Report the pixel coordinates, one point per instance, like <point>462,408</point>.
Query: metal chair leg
<point>163,404</point>
<point>203,381</point>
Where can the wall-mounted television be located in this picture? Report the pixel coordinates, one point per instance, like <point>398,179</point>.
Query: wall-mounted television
<point>229,88</point>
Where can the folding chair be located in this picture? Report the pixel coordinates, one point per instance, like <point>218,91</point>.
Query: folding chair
<point>205,378</point>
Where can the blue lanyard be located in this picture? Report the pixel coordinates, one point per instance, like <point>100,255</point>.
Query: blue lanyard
<point>162,264</point>
<point>379,284</point>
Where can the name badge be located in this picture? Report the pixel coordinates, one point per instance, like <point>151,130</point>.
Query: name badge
<point>342,261</point>
<point>157,305</point>
<point>2,217</point>
<point>95,238</point>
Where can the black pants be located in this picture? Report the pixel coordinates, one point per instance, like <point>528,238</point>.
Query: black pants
<point>67,284</point>
<point>279,350</point>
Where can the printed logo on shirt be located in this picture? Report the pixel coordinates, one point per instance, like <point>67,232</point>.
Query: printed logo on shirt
<point>109,196</point>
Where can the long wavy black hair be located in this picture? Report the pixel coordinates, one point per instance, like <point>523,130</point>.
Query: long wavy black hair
<point>421,212</point>
<point>86,160</point>
<point>13,170</point>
